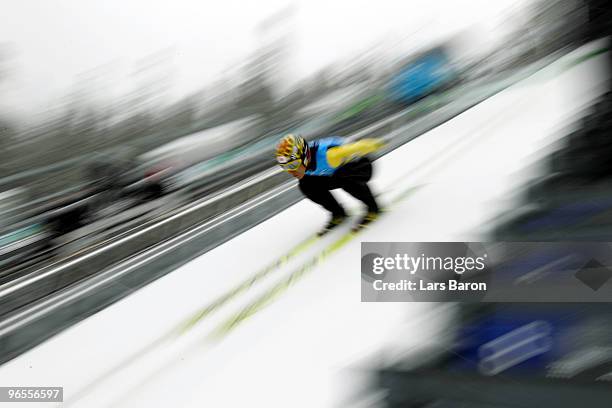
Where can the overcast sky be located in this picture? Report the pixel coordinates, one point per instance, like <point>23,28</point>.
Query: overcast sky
<point>53,41</point>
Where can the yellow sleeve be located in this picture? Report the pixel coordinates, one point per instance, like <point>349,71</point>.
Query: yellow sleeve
<point>337,156</point>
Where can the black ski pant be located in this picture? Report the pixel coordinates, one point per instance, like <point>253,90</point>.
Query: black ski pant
<point>352,177</point>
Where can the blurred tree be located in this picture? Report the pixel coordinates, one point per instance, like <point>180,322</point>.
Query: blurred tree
<point>7,130</point>
<point>7,134</point>
<point>181,115</point>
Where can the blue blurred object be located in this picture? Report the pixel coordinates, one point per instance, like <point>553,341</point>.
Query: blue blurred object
<point>534,340</point>
<point>423,75</point>
<point>509,342</point>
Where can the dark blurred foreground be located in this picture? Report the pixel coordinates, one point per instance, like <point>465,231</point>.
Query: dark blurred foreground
<point>509,355</point>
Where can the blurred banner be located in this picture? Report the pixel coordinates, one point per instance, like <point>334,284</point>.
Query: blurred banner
<point>486,272</point>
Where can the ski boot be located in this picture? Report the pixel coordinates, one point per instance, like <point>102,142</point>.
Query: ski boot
<point>334,222</point>
<point>366,220</point>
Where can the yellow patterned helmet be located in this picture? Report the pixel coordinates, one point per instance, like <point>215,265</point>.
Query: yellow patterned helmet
<point>291,152</point>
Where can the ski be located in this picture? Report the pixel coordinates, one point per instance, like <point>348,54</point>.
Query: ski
<point>245,285</point>
<point>270,295</point>
<point>280,287</point>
